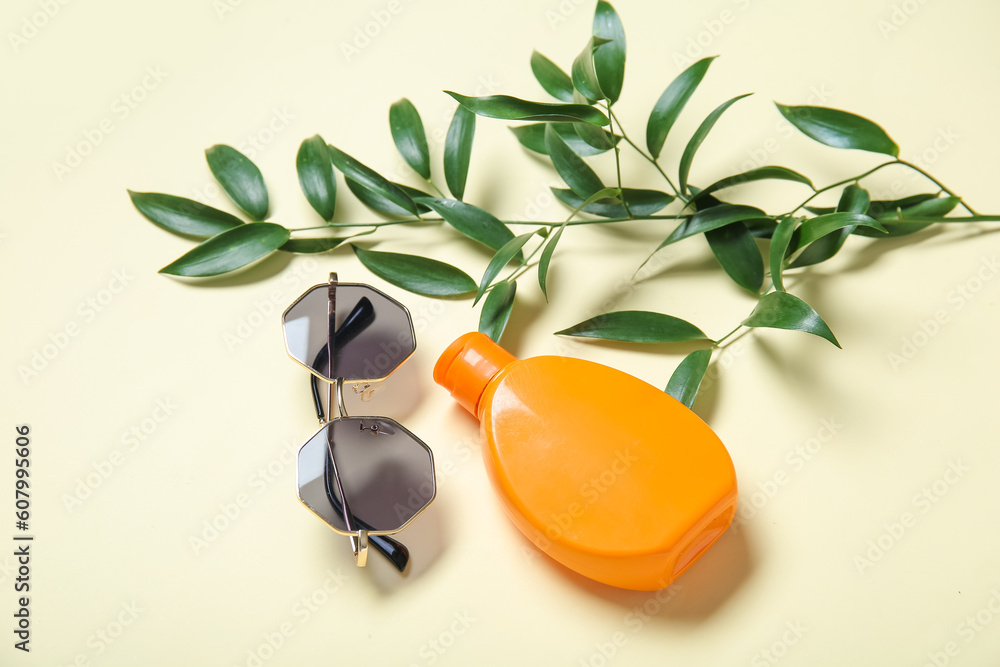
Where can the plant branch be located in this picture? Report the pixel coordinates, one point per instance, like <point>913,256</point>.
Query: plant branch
<point>519,271</point>
<point>436,189</point>
<point>837,184</point>
<point>380,223</point>
<point>937,183</point>
<point>719,342</point>
<point>649,158</point>
<point>618,165</point>
<point>540,223</point>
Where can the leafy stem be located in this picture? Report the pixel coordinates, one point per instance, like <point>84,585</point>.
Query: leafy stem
<point>520,270</point>
<point>871,171</point>
<point>937,183</point>
<point>649,158</point>
<point>718,343</point>
<point>380,223</point>
<point>569,131</point>
<point>618,165</point>
<point>540,223</point>
<point>436,188</point>
<point>852,179</point>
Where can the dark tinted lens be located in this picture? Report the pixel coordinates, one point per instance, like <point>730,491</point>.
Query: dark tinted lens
<point>387,473</point>
<point>373,333</point>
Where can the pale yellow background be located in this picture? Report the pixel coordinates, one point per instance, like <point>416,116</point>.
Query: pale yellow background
<point>278,72</point>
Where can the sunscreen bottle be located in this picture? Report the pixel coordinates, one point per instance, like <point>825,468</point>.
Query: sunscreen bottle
<point>608,475</point>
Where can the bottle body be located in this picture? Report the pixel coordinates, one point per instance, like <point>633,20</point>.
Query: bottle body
<point>607,474</point>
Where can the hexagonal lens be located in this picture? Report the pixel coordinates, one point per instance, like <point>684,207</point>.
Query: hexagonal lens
<point>373,333</point>
<point>387,473</point>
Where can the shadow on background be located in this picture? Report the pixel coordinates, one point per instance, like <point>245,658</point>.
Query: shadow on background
<point>697,594</point>
<point>523,314</point>
<point>426,539</point>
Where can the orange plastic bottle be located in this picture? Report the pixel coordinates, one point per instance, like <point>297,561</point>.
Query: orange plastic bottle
<point>605,473</point>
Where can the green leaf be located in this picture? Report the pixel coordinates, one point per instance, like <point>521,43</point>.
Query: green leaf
<point>380,204</point>
<point>779,248</point>
<point>313,246</point>
<point>496,309</point>
<point>928,208</point>
<point>240,178</point>
<point>781,310</point>
<point>737,252</point>
<point>687,377</point>
<point>641,202</point>
<point>501,258</point>
<point>474,222</point>
<point>712,218</point>
<point>821,249</point>
<point>821,225</point>
<point>636,326</point>
<point>585,75</point>
<point>698,137</point>
<point>458,150</point>
<point>532,137</point>
<point>881,207</point>
<point>420,275</point>
<point>576,142</point>
<point>408,135</point>
<point>414,194</point>
<point>181,215</point>
<point>595,137</point>
<point>761,228</point>
<point>854,199</point>
<point>839,129</point>
<point>370,179</point>
<point>670,104</point>
<point>555,81</point>
<point>571,167</point>
<point>229,250</point>
<point>893,229</point>
<point>543,262</point>
<point>316,176</point>
<point>609,60</point>
<point>512,108</point>
<point>758,174</point>
<point>911,208</point>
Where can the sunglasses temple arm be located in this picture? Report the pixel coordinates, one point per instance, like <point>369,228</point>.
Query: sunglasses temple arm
<point>359,542</point>
<point>360,317</point>
<point>393,550</point>
<point>317,401</point>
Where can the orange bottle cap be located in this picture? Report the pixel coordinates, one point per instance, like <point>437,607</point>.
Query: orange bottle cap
<point>468,365</point>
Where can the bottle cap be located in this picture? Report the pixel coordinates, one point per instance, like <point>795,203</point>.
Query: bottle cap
<point>468,365</point>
